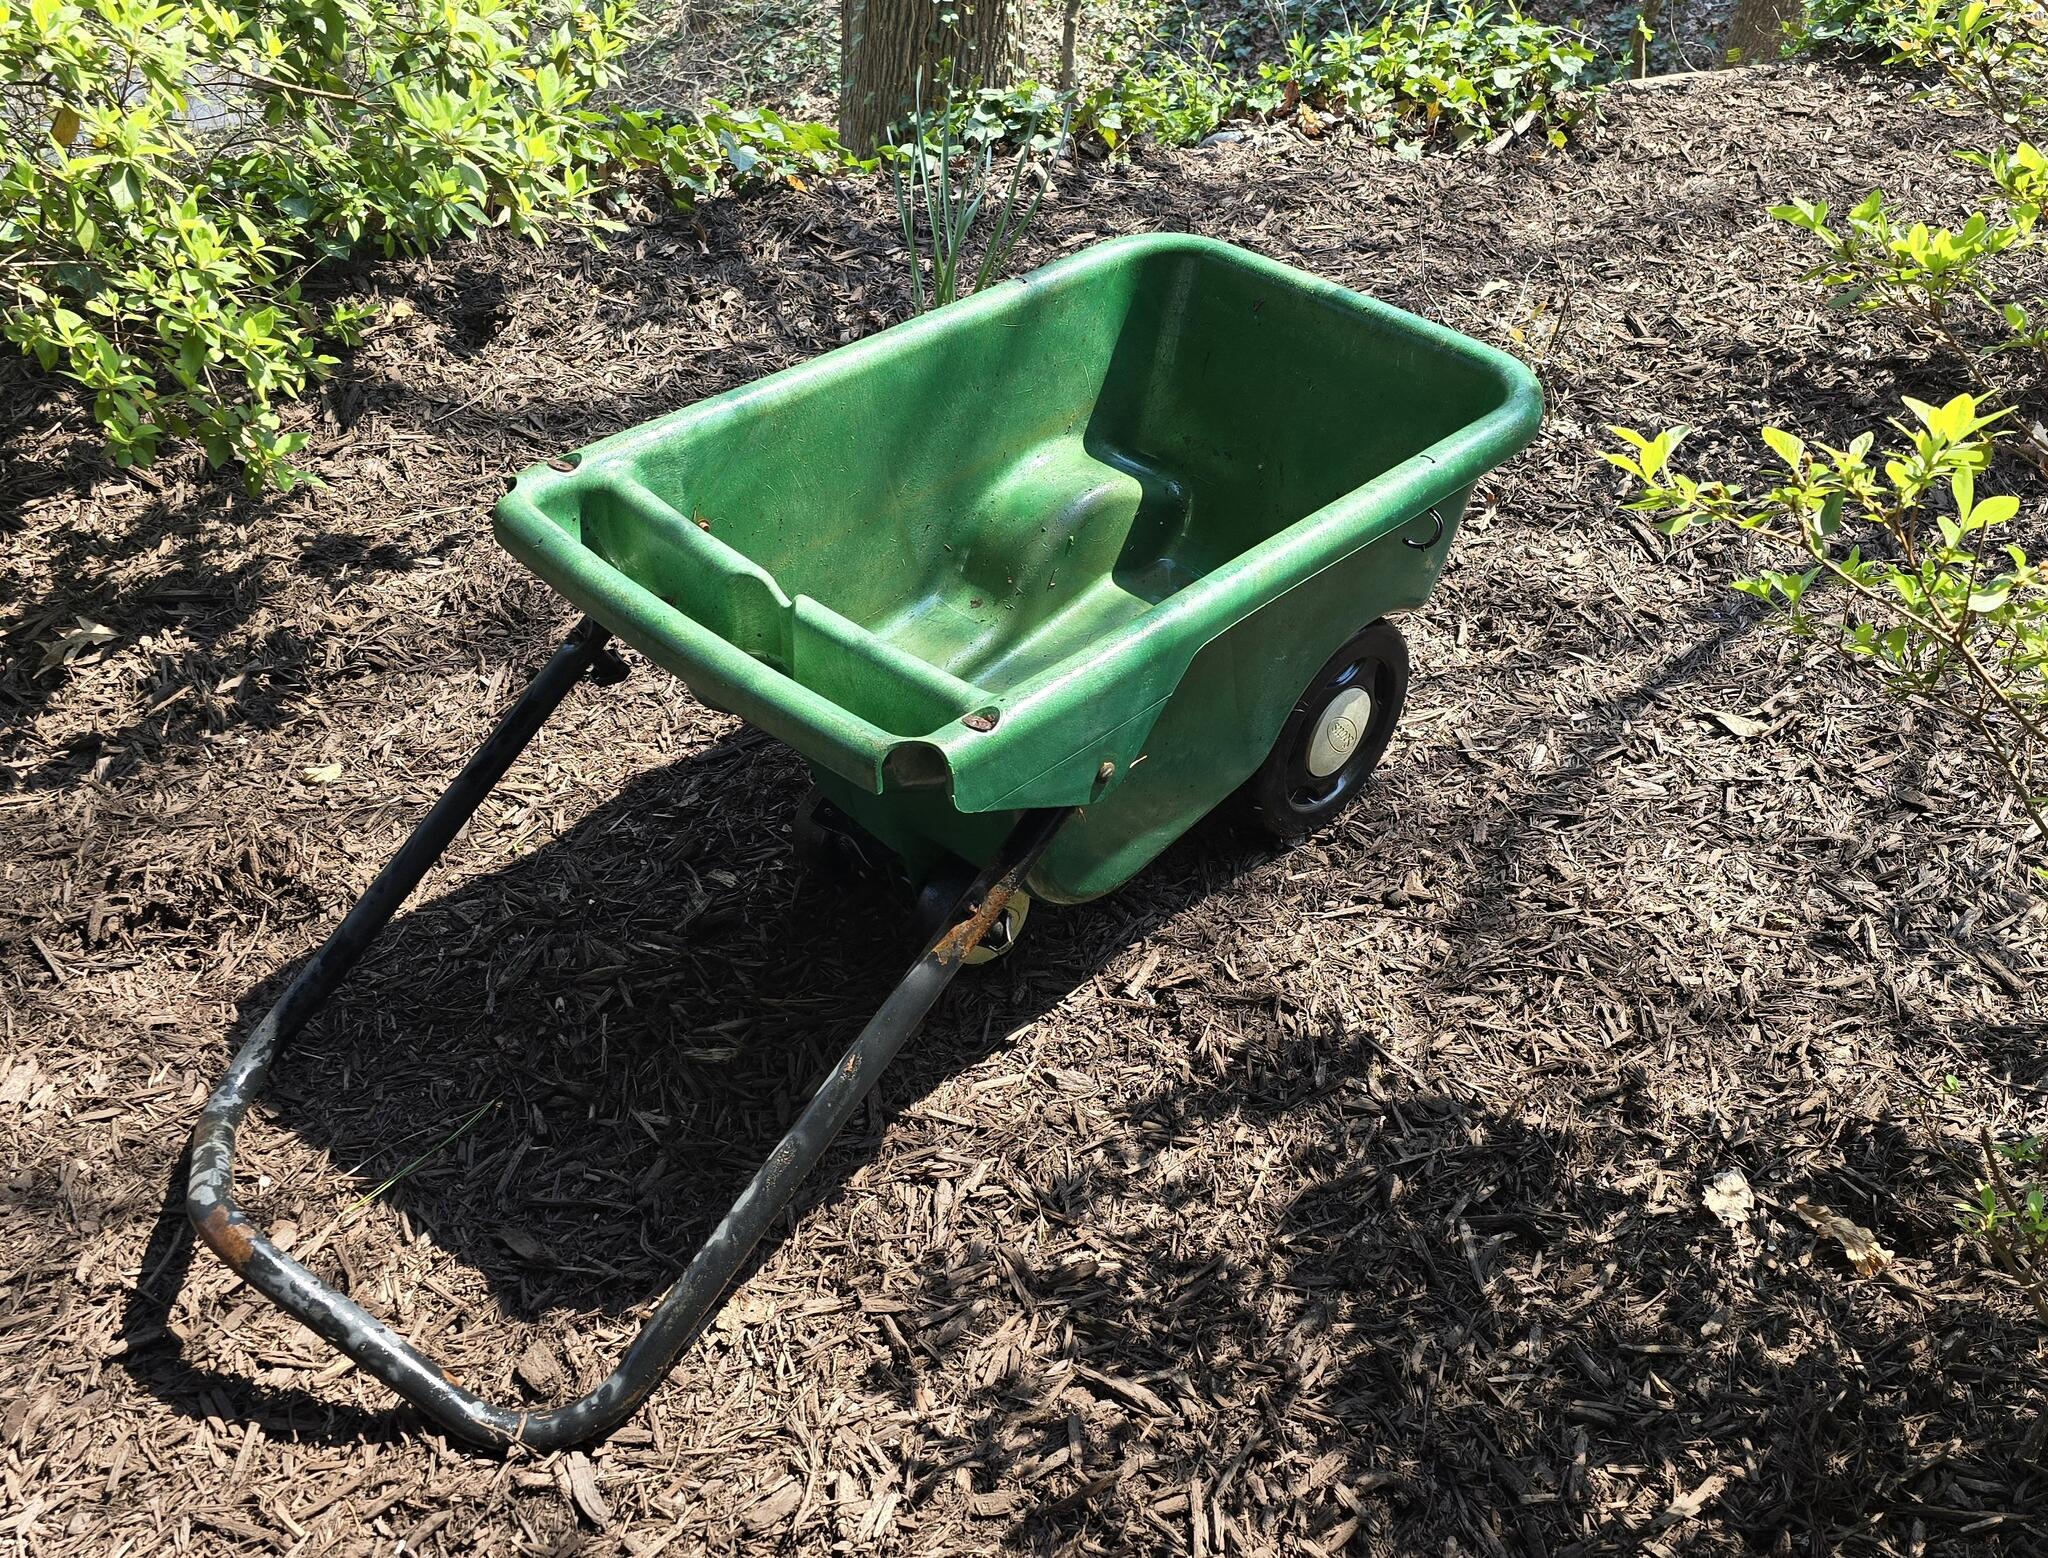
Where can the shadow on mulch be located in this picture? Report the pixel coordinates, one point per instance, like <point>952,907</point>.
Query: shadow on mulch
<point>1188,1321</point>
<point>638,1053</point>
<point>643,1003</point>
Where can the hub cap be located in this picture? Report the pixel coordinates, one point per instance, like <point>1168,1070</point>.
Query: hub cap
<point>1338,730</point>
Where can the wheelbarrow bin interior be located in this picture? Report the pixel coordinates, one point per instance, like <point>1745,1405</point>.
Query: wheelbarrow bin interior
<point>977,553</point>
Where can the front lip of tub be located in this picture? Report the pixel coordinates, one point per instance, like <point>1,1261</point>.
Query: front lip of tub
<point>1065,735</point>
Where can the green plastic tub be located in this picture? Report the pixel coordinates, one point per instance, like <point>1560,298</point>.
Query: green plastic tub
<point>1078,541</point>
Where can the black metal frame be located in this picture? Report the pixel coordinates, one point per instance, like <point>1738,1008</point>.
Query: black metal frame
<point>694,1296</point>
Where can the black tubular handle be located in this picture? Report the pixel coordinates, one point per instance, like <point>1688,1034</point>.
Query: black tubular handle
<point>694,1296</point>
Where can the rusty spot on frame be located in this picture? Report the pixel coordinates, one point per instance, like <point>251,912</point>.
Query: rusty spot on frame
<point>227,1238</point>
<point>966,936</point>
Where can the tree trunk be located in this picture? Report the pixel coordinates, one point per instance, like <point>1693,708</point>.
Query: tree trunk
<point>1757,29</point>
<point>886,45</point>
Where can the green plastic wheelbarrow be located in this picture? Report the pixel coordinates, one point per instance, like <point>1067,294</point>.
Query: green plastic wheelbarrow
<point>1033,583</point>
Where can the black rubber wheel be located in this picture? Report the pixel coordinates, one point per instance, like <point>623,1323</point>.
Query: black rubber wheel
<point>1333,739</point>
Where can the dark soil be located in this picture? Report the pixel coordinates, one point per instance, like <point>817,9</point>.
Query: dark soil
<point>1342,1199</point>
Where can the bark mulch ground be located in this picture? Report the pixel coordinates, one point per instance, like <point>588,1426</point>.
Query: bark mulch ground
<point>1346,1199</point>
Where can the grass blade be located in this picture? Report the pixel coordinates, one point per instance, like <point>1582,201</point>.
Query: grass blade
<point>444,1143</point>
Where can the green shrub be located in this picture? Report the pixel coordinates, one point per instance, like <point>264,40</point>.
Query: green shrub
<point>1991,52</point>
<point>1173,98</point>
<point>173,169</point>
<point>722,149</point>
<point>1473,74</point>
<point>1415,76</point>
<point>2010,1212</point>
<point>1956,286</point>
<point>1970,288</point>
<point>1855,26</point>
<point>1893,555</point>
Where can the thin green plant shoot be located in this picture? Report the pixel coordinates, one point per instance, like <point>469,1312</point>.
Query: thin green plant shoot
<point>949,189</point>
<point>440,1146</point>
<point>2010,1213</point>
